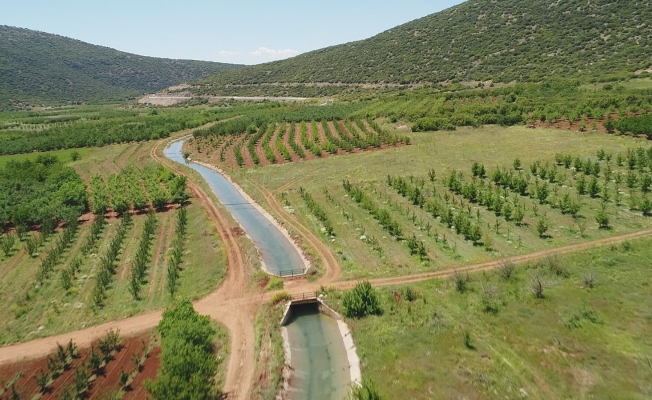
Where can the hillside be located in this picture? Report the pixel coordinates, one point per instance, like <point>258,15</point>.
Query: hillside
<point>42,68</point>
<point>481,40</point>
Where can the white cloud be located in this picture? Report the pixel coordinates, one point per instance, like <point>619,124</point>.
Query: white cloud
<point>269,54</point>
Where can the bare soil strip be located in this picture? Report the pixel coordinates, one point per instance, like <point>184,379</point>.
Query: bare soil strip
<point>163,237</point>
<point>272,143</point>
<point>297,140</point>
<point>294,157</point>
<point>229,157</point>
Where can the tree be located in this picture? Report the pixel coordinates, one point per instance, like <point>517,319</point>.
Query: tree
<point>8,243</point>
<point>361,301</point>
<point>42,380</point>
<point>94,361</point>
<point>517,164</point>
<point>75,156</point>
<point>124,377</point>
<point>602,219</point>
<point>537,287</point>
<point>609,124</point>
<point>594,187</point>
<point>475,233</point>
<point>542,227</point>
<point>188,361</point>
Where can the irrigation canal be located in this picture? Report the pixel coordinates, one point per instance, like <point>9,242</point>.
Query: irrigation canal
<point>320,367</point>
<point>277,252</point>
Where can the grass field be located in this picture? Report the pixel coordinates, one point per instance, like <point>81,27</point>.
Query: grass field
<point>493,146</point>
<point>495,340</point>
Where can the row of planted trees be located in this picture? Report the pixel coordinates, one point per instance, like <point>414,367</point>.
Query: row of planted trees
<point>317,211</point>
<point>107,267</point>
<point>143,256</point>
<point>345,135</point>
<point>176,252</point>
<point>385,220</point>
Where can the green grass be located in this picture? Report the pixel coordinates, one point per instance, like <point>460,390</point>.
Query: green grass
<point>637,84</point>
<point>63,155</point>
<point>269,349</point>
<point>493,146</point>
<point>576,342</point>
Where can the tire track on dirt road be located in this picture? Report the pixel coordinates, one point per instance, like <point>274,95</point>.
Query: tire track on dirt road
<point>13,263</point>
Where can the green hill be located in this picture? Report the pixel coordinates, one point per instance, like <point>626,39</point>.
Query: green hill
<point>41,68</point>
<point>480,40</point>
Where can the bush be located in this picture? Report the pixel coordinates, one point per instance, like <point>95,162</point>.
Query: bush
<point>432,124</point>
<point>279,297</point>
<point>275,283</point>
<point>361,301</point>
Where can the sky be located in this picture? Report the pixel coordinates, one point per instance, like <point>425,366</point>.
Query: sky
<point>241,32</point>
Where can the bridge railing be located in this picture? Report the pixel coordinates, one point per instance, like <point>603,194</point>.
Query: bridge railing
<point>291,272</point>
<point>304,296</point>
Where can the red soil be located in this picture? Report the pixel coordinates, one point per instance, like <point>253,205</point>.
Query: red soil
<point>229,157</point>
<point>349,135</point>
<point>321,133</point>
<point>360,132</point>
<point>108,380</point>
<point>272,143</point>
<point>148,371</point>
<point>248,161</point>
<point>297,140</point>
<point>312,135</point>
<point>331,127</point>
<point>286,141</point>
<point>261,153</point>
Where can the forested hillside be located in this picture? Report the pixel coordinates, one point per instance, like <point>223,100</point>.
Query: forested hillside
<point>480,40</point>
<point>41,68</point>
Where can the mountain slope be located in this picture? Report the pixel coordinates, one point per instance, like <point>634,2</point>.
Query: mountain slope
<point>504,40</point>
<point>37,67</point>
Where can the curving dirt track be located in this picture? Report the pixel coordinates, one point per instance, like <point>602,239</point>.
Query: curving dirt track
<point>235,307</point>
<point>331,265</point>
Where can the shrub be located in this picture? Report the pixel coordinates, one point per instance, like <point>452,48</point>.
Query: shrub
<point>589,280</point>
<point>275,283</point>
<point>361,301</point>
<point>536,286</point>
<point>281,296</point>
<point>506,269</point>
<point>461,281</point>
<point>466,338</point>
<point>432,124</point>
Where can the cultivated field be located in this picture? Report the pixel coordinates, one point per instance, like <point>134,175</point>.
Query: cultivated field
<point>368,247</point>
<point>66,299</point>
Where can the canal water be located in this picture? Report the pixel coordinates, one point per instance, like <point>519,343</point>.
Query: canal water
<point>277,252</point>
<point>318,356</point>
